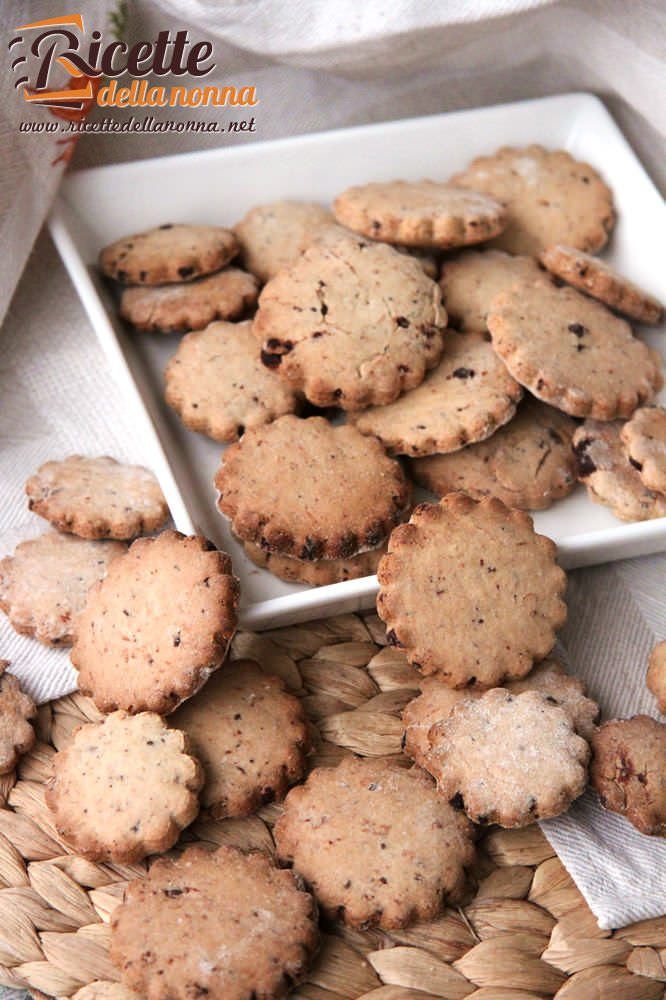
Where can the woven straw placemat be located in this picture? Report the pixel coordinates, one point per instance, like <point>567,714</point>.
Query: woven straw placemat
<point>524,933</point>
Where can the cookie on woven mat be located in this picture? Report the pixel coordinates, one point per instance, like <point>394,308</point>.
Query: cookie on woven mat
<point>124,788</point>
<point>628,771</point>
<point>656,675</point>
<point>420,213</point>
<point>571,352</point>
<point>471,280</point>
<point>550,198</point>
<point>470,591</point>
<point>464,399</point>
<point>16,709</point>
<point>352,323</point>
<point>601,281</point>
<point>45,583</point>
<point>97,497</point>
<point>307,489</point>
<point>644,440</point>
<point>376,843</point>
<point>528,463</point>
<point>250,735</point>
<point>154,630</point>
<point>274,236</point>
<point>189,305</point>
<point>218,385</point>
<point>543,761</point>
<point>222,925</point>
<point>316,574</point>
<point>609,475</point>
<point>168,253</point>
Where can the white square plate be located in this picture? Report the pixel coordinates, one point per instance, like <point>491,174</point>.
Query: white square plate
<point>98,206</point>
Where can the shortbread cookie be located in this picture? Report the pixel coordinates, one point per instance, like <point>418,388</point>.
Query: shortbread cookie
<point>644,439</point>
<point>16,709</point>
<point>609,475</point>
<point>464,399</point>
<point>307,489</point>
<point>352,323</point>
<point>549,196</point>
<point>222,925</point>
<point>274,236</point>
<point>375,842</point>
<point>190,305</point>
<point>97,497</point>
<point>316,574</point>
<point>656,675</point>
<point>218,385</point>
<point>527,464</point>
<point>124,788</point>
<point>434,704</point>
<point>471,280</point>
<point>602,282</point>
<point>470,591</point>
<point>250,735</point>
<point>543,762</point>
<point>154,630</point>
<point>572,352</point>
<point>44,585</point>
<point>550,678</point>
<point>169,253</point>
<point>420,213</point>
<point>629,771</point>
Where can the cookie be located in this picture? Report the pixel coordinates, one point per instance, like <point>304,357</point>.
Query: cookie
<point>44,585</point>
<point>601,281</point>
<point>609,475</point>
<point>644,440</point>
<point>222,925</point>
<point>168,253</point>
<point>543,761</point>
<point>97,497</point>
<point>189,305</point>
<point>16,709</point>
<point>470,591</point>
<point>550,678</point>
<point>250,735</point>
<point>549,196</point>
<point>420,213</point>
<point>528,463</point>
<point>472,279</point>
<point>316,574</point>
<point>656,675</point>
<point>375,842</point>
<point>157,626</point>
<point>273,237</point>
<point>629,771</point>
<point>352,323</point>
<point>571,352</point>
<point>124,788</point>
<point>435,703</point>
<point>307,489</point>
<point>218,385</point>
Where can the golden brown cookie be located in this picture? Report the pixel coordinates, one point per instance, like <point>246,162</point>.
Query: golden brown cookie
<point>629,771</point>
<point>273,237</point>
<point>16,709</point>
<point>471,280</point>
<point>644,440</point>
<point>160,623</point>
<point>168,253</point>
<point>189,305</point>
<point>375,842</point>
<point>124,788</point>
<point>656,675</point>
<point>319,573</point>
<point>434,704</point>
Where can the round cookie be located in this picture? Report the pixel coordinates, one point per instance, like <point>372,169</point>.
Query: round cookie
<point>273,237</point>
<point>609,475</point>
<point>472,279</point>
<point>656,675</point>
<point>470,591</point>
<point>189,305</point>
<point>16,709</point>
<point>352,323</point>
<point>435,703</point>
<point>307,489</point>
<point>250,735</point>
<point>222,925</point>
<point>124,788</point>
<point>316,574</point>
<point>97,497</point>
<point>157,626</point>
<point>420,213</point>
<point>45,584</point>
<point>464,399</point>
<point>628,771</point>
<point>549,197</point>
<point>376,843</point>
<point>543,762</point>
<point>571,352</point>
<point>528,463</point>
<point>644,440</point>
<point>168,253</point>
<point>601,281</point>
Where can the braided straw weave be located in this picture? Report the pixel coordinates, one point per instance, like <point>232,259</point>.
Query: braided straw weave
<point>526,934</point>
